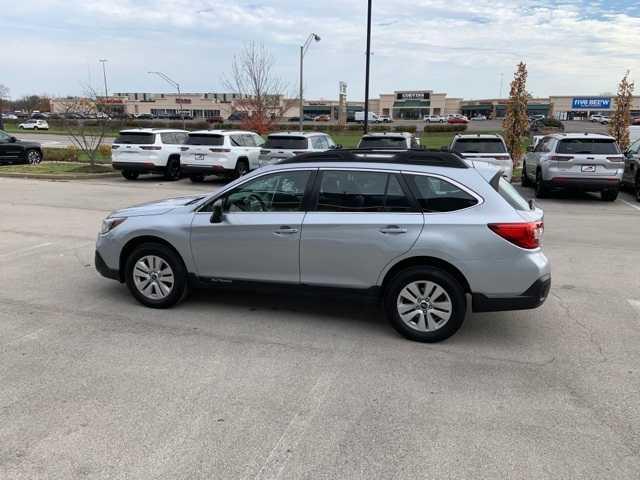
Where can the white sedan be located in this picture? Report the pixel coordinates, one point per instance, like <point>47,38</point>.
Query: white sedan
<point>34,124</point>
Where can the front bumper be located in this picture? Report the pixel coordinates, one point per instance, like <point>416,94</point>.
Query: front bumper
<point>140,167</point>
<point>533,297</point>
<point>104,270</point>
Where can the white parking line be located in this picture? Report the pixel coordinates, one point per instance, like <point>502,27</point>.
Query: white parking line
<point>25,250</point>
<point>631,204</point>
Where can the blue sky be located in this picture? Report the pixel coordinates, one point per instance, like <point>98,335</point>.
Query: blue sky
<point>455,46</point>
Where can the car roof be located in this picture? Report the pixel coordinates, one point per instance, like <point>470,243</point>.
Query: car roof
<point>478,135</point>
<point>296,134</point>
<point>222,132</point>
<point>388,134</point>
<point>152,130</point>
<point>561,136</point>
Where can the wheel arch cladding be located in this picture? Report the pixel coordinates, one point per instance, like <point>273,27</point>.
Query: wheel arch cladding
<point>134,243</point>
<point>426,262</point>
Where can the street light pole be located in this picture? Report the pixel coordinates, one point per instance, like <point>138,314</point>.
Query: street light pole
<point>177,86</point>
<point>366,82</point>
<point>303,50</point>
<point>104,75</point>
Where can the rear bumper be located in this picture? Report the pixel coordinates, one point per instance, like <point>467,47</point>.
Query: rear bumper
<point>586,184</point>
<point>205,170</point>
<point>140,167</point>
<point>104,270</point>
<point>533,297</point>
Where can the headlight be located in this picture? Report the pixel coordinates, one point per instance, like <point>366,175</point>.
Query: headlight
<point>109,224</point>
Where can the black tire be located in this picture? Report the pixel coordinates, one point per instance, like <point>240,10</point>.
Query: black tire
<point>524,179</point>
<point>541,189</point>
<point>609,195</point>
<point>425,273</point>
<point>197,178</point>
<point>242,168</point>
<point>129,175</point>
<point>172,170</point>
<point>33,157</point>
<point>180,286</point>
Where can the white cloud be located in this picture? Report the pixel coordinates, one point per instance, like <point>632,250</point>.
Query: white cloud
<point>455,46</point>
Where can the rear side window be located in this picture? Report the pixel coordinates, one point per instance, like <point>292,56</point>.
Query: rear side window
<point>585,146</point>
<point>383,142</point>
<point>511,195</point>
<point>436,195</point>
<point>286,143</point>
<point>345,191</point>
<point>479,145</point>
<point>214,140</point>
<point>319,143</point>
<point>136,138</point>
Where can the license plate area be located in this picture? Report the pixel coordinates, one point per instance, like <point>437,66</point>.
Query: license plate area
<point>199,156</point>
<point>588,168</point>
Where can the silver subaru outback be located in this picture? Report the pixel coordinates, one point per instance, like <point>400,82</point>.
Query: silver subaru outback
<point>421,230</point>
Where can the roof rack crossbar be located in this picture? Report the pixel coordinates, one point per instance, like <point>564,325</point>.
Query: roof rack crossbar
<point>434,158</point>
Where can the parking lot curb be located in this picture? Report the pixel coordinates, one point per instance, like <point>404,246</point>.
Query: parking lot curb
<point>52,176</point>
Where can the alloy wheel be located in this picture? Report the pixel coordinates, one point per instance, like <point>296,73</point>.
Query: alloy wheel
<point>153,277</point>
<point>424,306</point>
<point>33,157</point>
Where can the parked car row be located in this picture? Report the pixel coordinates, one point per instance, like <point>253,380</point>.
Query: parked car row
<point>451,118</point>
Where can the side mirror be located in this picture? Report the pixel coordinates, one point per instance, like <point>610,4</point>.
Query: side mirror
<point>338,146</point>
<point>13,139</point>
<point>217,215</point>
<point>530,148</point>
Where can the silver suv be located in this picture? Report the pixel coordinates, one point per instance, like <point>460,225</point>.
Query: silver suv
<point>391,140</point>
<point>421,230</point>
<point>282,145</point>
<point>579,161</point>
<point>488,148</point>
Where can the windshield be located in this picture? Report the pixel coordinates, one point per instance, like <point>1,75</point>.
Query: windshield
<point>136,138</point>
<point>216,140</point>
<point>479,145</point>
<point>585,146</point>
<point>383,142</point>
<point>286,143</point>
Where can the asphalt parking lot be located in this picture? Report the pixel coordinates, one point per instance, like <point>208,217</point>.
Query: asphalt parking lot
<point>248,385</point>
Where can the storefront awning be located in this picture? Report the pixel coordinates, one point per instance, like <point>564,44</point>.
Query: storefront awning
<point>411,104</point>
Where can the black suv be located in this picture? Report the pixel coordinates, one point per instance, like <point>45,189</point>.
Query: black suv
<point>13,150</point>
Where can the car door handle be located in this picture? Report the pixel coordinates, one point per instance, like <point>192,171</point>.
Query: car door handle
<point>393,230</point>
<point>284,230</point>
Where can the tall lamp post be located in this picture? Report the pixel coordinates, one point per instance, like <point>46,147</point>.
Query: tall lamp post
<point>104,76</point>
<point>177,86</point>
<point>303,50</point>
<point>366,81</point>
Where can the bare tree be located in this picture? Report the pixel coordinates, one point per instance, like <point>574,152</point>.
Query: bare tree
<point>619,126</point>
<point>4,94</point>
<point>516,121</point>
<point>88,132</point>
<point>260,94</point>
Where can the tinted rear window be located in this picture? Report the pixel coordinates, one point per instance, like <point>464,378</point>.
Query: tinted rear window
<point>286,143</point>
<point>383,142</point>
<point>584,146</point>
<point>136,138</point>
<point>479,145</point>
<point>205,140</point>
<point>511,195</point>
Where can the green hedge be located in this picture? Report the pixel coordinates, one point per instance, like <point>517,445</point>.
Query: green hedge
<point>456,127</point>
<point>69,154</point>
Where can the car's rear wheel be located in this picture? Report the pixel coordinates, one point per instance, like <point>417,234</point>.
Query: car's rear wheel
<point>129,175</point>
<point>156,275</point>
<point>34,157</point>
<point>197,178</point>
<point>541,189</point>
<point>242,168</point>
<point>172,170</point>
<point>425,304</point>
<point>524,179</point>
<point>609,195</point>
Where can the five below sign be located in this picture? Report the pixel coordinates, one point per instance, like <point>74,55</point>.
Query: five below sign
<point>594,103</point>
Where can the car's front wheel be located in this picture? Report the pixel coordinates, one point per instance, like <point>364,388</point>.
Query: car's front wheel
<point>34,157</point>
<point>541,189</point>
<point>425,304</point>
<point>524,179</point>
<point>156,275</point>
<point>242,168</point>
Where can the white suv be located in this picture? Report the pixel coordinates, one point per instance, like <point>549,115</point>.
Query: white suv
<point>148,150</point>
<point>390,140</point>
<point>232,153</point>
<point>283,145</point>
<point>433,119</point>
<point>34,124</point>
<point>486,148</point>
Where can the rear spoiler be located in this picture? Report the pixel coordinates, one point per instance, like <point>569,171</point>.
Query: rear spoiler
<point>495,184</point>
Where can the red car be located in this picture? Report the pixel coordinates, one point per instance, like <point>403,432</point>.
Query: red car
<point>454,120</point>
<point>635,121</point>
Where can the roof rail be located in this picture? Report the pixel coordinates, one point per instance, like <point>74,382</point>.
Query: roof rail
<point>433,158</point>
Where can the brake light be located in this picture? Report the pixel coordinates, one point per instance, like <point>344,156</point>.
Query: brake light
<point>115,147</point>
<point>616,159</point>
<point>184,149</point>
<point>223,150</point>
<point>150,148</point>
<point>524,235</point>
<point>561,158</point>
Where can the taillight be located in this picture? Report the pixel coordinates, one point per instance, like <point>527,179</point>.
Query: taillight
<point>616,159</point>
<point>222,150</point>
<point>115,147</point>
<point>561,158</point>
<point>150,148</point>
<point>524,235</point>
<point>184,149</point>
